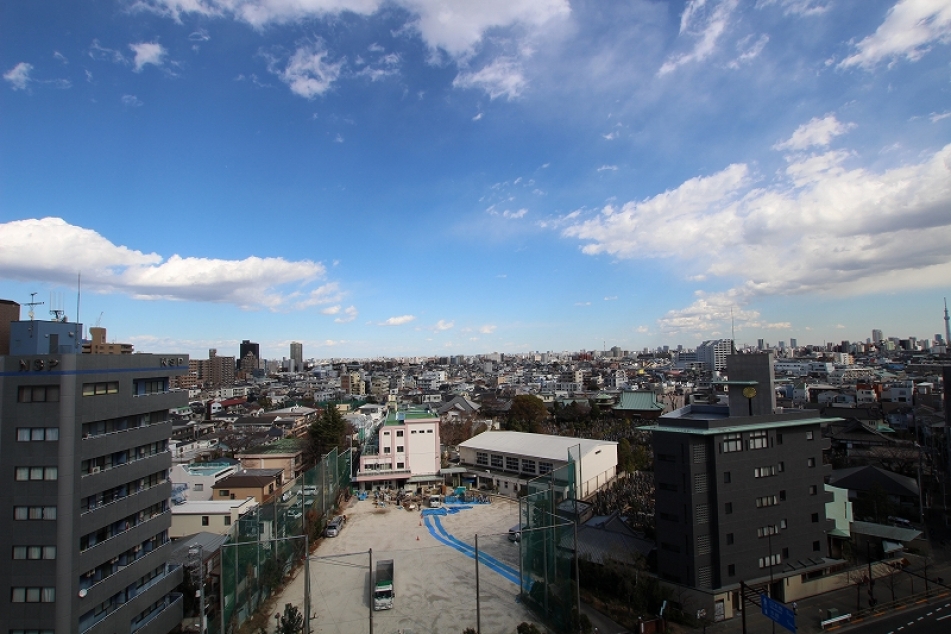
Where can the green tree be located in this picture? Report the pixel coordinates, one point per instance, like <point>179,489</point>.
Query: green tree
<point>527,413</point>
<point>625,458</point>
<point>326,432</point>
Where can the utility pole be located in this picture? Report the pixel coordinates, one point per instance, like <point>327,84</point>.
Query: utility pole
<point>199,551</point>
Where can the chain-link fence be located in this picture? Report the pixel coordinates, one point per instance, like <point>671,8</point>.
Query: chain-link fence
<point>548,548</point>
<point>265,544</point>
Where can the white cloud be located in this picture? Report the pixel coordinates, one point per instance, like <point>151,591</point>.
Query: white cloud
<point>610,136</point>
<point>19,76</point>
<point>798,7</point>
<point>131,100</point>
<point>642,329</point>
<point>751,52</point>
<point>582,303</point>
<point>514,214</point>
<point>349,314</point>
<point>910,28</point>
<point>477,117</point>
<point>398,321</point>
<point>442,324</point>
<point>147,53</point>
<point>487,329</point>
<point>938,116</point>
<point>705,25</point>
<point>308,72</point>
<point>99,52</point>
<point>608,168</point>
<point>52,250</point>
<point>610,298</point>
<point>819,228</point>
<point>200,35</point>
<point>60,57</point>
<point>332,310</point>
<point>502,78</point>
<point>818,132</point>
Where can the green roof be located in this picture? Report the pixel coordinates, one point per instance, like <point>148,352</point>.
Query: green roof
<point>284,445</point>
<point>397,418</point>
<point>639,401</point>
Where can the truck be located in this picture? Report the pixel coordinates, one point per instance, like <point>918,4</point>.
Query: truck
<point>383,589</point>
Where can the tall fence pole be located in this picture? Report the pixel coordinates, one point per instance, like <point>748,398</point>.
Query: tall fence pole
<point>370,601</point>
<point>478,602</point>
<point>306,584</point>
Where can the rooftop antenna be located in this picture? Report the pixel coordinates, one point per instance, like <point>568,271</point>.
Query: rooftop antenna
<point>947,324</point>
<point>732,331</point>
<point>79,292</point>
<point>57,313</point>
<point>33,303</point>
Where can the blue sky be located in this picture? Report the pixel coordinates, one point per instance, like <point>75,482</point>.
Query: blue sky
<point>415,177</point>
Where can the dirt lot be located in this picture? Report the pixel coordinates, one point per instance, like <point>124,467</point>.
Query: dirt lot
<point>434,572</point>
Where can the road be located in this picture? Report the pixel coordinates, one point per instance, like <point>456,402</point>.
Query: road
<point>921,619</point>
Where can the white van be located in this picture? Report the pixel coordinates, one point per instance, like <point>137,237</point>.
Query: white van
<point>334,526</point>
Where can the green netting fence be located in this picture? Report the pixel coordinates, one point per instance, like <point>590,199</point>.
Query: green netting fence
<point>548,546</point>
<point>265,544</point>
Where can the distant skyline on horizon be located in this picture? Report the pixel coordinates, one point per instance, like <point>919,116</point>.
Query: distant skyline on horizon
<point>411,178</point>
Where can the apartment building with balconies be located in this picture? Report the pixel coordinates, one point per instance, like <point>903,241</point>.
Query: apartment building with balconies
<point>84,505</point>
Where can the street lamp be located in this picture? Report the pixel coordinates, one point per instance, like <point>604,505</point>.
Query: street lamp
<point>199,550</point>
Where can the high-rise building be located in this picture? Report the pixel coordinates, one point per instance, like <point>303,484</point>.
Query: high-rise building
<point>99,345</point>
<point>877,335</point>
<point>714,353</point>
<point>297,355</point>
<point>249,347</point>
<point>793,343</point>
<point>84,463</point>
<point>740,497</point>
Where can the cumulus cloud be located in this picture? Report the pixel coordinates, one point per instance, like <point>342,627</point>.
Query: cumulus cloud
<point>442,324</point>
<point>501,78</point>
<point>52,250</point>
<point>349,314</point>
<point>147,53</point>
<point>820,227</point>
<point>705,23</point>
<point>308,72</point>
<point>910,29</point>
<point>398,321</point>
<point>818,132</point>
<point>19,76</point>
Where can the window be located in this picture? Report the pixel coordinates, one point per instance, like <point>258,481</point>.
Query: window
<point>731,443</point>
<point>726,477</point>
<point>34,552</point>
<point>728,508</point>
<point>400,465</point>
<point>765,531</point>
<point>815,518</point>
<point>99,389</point>
<point>496,461</point>
<point>399,449</point>
<point>815,546</point>
<point>387,450</point>
<point>813,489</point>
<point>399,433</point>
<point>785,553</point>
<point>700,483</point>
<point>764,472</point>
<point>766,500</point>
<point>731,570</point>
<point>729,539</point>
<point>772,560</point>
<point>699,454</point>
<point>511,463</point>
<point>545,467</point>
<point>204,520</point>
<point>779,439</point>
<point>227,520</point>
<point>144,387</point>
<point>782,467</point>
<point>38,394</point>
<point>810,462</point>
<point>34,512</point>
<point>810,435</point>
<point>482,458</point>
<point>33,595</point>
<point>782,496</point>
<point>702,514</point>
<point>528,466</point>
<point>758,440</point>
<point>223,493</point>
<point>36,473</point>
<point>782,523</point>
<point>199,487</point>
<point>703,544</point>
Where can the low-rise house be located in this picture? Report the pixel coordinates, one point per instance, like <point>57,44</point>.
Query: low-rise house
<point>195,481</point>
<point>259,484</point>
<point>213,516</point>
<point>285,454</point>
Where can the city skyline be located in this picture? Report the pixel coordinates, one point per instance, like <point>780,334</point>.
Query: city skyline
<point>405,178</point>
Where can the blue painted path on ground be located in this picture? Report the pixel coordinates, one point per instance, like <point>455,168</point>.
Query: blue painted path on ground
<point>433,520</point>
